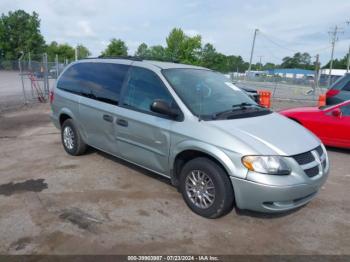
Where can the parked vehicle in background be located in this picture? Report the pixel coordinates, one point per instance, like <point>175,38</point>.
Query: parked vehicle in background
<point>339,91</point>
<point>193,126</point>
<point>330,123</point>
<point>252,93</point>
<point>53,70</point>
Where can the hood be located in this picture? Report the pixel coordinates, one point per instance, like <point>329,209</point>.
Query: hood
<point>300,110</point>
<point>271,134</point>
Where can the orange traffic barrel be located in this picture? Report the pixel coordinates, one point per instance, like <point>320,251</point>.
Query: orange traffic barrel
<point>322,100</point>
<point>265,98</point>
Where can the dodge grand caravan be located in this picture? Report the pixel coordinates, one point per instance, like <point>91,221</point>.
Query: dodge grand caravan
<point>193,126</point>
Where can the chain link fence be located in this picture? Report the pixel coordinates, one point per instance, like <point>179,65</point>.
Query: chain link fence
<point>26,81</point>
<point>284,88</point>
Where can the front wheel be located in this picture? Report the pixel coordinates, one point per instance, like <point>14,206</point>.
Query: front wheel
<point>71,139</point>
<point>206,188</point>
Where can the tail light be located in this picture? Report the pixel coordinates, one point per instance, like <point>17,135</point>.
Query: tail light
<point>332,92</point>
<point>51,96</point>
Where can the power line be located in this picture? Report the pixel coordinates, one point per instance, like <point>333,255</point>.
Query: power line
<point>281,40</point>
<point>334,37</point>
<point>277,44</point>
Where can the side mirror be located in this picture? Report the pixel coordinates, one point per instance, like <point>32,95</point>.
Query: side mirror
<point>162,107</point>
<point>337,112</point>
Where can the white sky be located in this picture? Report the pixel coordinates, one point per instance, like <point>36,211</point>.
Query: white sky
<point>295,25</point>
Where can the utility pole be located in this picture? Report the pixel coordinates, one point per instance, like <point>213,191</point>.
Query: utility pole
<point>76,53</point>
<point>260,64</point>
<point>317,72</point>
<point>348,63</point>
<point>57,66</point>
<point>29,62</point>
<point>334,38</point>
<point>252,52</point>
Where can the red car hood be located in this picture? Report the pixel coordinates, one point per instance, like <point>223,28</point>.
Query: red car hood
<point>300,110</point>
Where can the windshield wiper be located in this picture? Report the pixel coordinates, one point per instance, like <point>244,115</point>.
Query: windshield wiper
<point>235,108</point>
<point>245,105</point>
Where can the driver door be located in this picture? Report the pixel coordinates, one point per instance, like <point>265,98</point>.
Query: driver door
<point>336,128</point>
<point>143,137</point>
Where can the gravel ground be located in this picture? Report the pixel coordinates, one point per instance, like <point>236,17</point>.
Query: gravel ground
<point>53,203</point>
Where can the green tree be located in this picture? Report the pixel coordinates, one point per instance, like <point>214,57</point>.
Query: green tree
<point>20,32</point>
<point>65,51</point>
<point>51,50</point>
<point>208,56</point>
<point>183,48</point>
<point>83,52</point>
<point>299,60</point>
<point>269,66</point>
<point>142,51</point>
<point>158,52</point>
<point>338,63</point>
<point>116,47</point>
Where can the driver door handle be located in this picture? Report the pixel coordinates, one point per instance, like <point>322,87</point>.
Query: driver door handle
<point>122,122</point>
<point>108,118</point>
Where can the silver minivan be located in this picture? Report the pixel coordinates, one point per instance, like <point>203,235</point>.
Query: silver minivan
<point>193,126</point>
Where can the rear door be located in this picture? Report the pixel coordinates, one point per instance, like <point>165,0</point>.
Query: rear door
<point>144,136</point>
<point>99,108</point>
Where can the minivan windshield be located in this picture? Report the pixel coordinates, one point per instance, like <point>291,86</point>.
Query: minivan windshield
<point>210,95</point>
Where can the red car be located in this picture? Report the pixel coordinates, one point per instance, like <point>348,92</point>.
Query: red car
<point>330,123</point>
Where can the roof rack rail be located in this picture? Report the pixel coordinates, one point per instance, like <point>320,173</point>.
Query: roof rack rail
<point>135,58</point>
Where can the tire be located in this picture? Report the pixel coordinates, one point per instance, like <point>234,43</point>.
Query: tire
<point>223,199</point>
<point>76,146</point>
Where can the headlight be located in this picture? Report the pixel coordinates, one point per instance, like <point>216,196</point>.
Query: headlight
<point>273,165</point>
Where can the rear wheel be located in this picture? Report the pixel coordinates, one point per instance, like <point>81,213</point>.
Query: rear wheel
<point>206,188</point>
<point>71,139</point>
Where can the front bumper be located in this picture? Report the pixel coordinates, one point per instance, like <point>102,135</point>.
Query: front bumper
<point>271,198</point>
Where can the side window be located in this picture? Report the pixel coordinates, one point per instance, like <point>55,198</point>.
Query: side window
<point>100,81</point>
<point>143,87</point>
<point>347,86</point>
<point>104,80</point>
<point>70,81</point>
<point>345,110</point>
<point>341,82</point>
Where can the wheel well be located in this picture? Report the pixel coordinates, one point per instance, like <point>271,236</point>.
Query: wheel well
<point>185,156</point>
<point>64,117</point>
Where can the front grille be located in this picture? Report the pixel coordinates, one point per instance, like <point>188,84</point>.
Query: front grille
<point>307,159</point>
<point>319,150</point>
<point>312,171</point>
<point>304,158</point>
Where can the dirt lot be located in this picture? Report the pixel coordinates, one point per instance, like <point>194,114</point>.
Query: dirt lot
<point>96,204</point>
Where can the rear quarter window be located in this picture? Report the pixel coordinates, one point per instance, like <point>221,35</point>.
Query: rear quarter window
<point>99,81</point>
<point>69,81</point>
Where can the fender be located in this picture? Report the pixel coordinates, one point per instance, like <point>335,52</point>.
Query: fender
<point>208,149</point>
<point>68,112</point>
